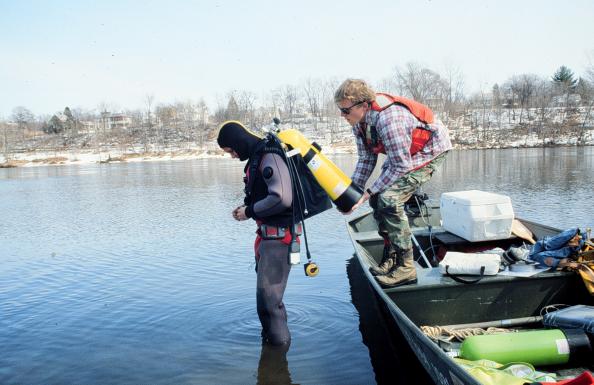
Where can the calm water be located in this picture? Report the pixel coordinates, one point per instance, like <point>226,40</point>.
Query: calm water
<point>136,273</point>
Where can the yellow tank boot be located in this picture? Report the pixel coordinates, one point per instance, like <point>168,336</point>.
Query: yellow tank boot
<point>402,273</point>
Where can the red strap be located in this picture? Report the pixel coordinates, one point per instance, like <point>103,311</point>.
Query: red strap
<point>257,246</point>
<point>286,240</point>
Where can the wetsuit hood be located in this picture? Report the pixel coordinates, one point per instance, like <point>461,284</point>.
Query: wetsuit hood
<point>234,135</point>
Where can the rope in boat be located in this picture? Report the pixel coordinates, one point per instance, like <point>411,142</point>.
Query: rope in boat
<point>438,332</point>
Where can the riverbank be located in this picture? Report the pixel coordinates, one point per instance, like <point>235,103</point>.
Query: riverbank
<point>73,157</point>
<point>114,154</point>
<point>56,158</point>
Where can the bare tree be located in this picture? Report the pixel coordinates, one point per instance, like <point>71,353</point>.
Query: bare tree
<point>5,144</point>
<point>23,118</point>
<point>496,103</point>
<point>288,99</point>
<point>523,86</point>
<point>186,112</point>
<point>388,85</point>
<point>589,91</point>
<point>149,99</point>
<point>313,91</point>
<point>202,116</point>
<point>510,101</point>
<point>104,114</point>
<point>330,110</point>
<point>422,84</point>
<point>329,87</point>
<point>543,97</point>
<point>246,103</point>
<point>453,91</point>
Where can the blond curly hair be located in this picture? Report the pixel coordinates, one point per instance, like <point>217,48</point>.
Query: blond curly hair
<point>355,90</point>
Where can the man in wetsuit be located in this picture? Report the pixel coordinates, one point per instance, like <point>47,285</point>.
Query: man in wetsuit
<point>268,201</point>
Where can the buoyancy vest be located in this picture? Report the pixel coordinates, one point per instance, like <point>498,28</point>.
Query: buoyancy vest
<point>420,135</point>
<point>307,193</point>
<point>255,186</point>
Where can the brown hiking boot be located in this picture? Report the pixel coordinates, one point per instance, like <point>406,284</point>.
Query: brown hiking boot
<point>403,272</point>
<point>385,266</point>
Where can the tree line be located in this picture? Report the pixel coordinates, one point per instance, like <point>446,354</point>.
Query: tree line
<point>526,103</point>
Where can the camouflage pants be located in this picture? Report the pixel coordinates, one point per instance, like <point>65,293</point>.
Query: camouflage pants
<point>388,207</point>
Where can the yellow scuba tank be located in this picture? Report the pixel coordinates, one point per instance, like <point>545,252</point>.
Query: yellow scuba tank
<point>339,187</point>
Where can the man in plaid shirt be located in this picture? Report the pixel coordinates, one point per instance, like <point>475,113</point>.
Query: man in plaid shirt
<point>389,129</point>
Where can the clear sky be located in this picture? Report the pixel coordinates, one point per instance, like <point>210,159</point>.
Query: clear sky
<point>81,53</point>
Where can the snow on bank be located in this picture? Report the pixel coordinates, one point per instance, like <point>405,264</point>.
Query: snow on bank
<point>74,157</point>
<point>34,159</point>
<point>71,157</point>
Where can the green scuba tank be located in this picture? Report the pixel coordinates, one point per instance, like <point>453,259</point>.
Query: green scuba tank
<point>538,347</point>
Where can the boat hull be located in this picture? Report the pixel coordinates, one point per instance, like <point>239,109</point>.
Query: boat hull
<point>438,300</point>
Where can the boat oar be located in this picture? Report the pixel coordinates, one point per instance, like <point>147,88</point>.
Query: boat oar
<point>521,231</point>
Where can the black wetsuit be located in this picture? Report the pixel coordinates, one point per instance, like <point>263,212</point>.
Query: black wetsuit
<point>270,202</point>
<point>269,199</point>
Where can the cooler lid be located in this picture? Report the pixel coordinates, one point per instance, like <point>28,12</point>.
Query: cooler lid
<point>475,198</point>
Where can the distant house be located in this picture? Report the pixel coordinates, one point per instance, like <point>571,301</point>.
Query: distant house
<point>566,100</point>
<point>88,126</point>
<point>112,121</point>
<point>118,121</point>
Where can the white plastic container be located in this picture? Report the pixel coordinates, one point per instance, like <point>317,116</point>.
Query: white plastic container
<point>477,215</point>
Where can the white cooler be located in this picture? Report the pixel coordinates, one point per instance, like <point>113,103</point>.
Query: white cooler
<point>477,215</point>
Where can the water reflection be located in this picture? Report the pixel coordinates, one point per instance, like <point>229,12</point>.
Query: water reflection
<point>392,359</point>
<point>273,368</point>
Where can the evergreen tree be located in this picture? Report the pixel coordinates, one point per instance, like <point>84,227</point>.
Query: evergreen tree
<point>68,113</point>
<point>53,126</point>
<point>565,77</point>
<point>69,124</point>
<point>232,108</point>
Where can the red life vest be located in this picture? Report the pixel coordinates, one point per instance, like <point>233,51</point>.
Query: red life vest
<point>420,135</point>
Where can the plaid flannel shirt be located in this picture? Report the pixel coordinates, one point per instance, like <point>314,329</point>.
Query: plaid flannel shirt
<point>394,127</point>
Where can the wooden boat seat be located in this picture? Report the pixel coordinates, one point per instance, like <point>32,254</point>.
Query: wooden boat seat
<point>367,236</point>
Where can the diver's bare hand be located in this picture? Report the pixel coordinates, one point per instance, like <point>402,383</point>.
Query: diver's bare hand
<point>239,214</point>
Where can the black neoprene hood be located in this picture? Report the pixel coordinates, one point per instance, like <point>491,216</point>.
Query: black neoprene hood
<point>235,136</point>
